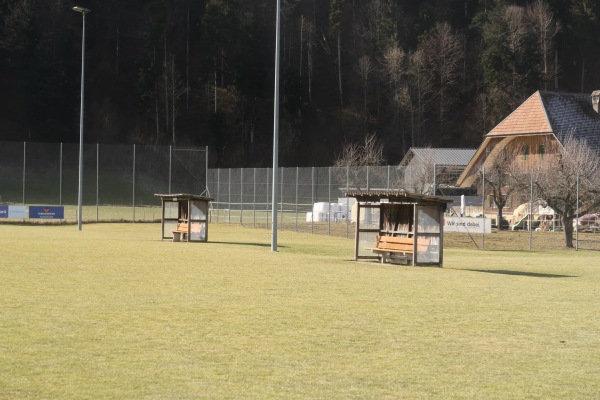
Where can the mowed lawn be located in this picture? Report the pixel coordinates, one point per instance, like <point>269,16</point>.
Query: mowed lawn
<point>114,312</point>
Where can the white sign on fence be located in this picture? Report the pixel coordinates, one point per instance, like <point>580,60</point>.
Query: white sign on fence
<point>467,225</point>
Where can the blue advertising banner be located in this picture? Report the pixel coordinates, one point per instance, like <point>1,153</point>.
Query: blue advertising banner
<point>47,212</point>
<point>3,211</point>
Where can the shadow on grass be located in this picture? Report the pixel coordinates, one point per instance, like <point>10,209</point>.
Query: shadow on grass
<point>521,273</point>
<point>247,244</point>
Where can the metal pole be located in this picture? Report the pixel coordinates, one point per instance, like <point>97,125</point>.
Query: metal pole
<point>229,196</point>
<point>531,213</point>
<point>434,179</point>
<point>276,130</point>
<point>388,177</point>
<point>577,216</point>
<point>254,198</point>
<point>483,208</point>
<point>348,212</point>
<point>281,197</point>
<point>60,176</point>
<point>218,191</point>
<point>312,187</point>
<point>206,172</point>
<point>329,201</point>
<point>241,195</point>
<point>97,178</point>
<point>83,11</point>
<point>133,186</point>
<point>297,199</point>
<point>24,170</point>
<point>170,165</point>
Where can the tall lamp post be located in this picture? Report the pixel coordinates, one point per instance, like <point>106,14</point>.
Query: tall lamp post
<point>276,134</point>
<point>83,11</point>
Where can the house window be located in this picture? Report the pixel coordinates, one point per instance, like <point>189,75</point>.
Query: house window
<point>542,151</point>
<point>525,152</point>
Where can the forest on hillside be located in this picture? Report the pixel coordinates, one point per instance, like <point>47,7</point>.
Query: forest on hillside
<point>201,72</point>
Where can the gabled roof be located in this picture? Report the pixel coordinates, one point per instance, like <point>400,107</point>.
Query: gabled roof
<point>529,118</point>
<point>428,155</point>
<point>552,112</point>
<point>543,113</point>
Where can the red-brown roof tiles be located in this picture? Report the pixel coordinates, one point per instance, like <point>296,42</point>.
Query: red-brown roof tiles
<point>529,118</point>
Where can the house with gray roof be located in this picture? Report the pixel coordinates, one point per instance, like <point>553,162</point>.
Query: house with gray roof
<point>544,118</point>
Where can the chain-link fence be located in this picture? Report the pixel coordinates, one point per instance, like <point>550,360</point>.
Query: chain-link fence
<point>119,183</point>
<point>113,175</point>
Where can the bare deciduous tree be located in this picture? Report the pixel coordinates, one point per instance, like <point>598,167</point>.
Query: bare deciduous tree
<point>357,154</point>
<point>415,94</point>
<point>545,28</point>
<point>394,69</point>
<point>504,176</point>
<point>444,52</point>
<point>557,175</point>
<point>364,68</point>
<point>419,178</point>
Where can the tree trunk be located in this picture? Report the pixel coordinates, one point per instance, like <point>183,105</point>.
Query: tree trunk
<point>499,219</point>
<point>568,229</point>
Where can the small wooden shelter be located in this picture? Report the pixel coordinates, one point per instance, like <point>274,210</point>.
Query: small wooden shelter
<point>184,216</point>
<point>383,213</point>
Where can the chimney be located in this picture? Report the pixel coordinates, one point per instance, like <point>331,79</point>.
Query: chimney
<point>595,99</point>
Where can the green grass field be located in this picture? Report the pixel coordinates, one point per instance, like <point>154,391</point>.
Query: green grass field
<point>114,312</point>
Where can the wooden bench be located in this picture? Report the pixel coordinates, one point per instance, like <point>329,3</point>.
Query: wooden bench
<point>181,232</point>
<point>400,248</point>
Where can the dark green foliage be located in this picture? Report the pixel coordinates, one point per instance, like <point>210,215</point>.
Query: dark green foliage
<point>200,72</point>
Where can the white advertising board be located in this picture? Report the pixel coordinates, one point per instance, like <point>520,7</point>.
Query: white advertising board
<point>17,211</point>
<point>467,225</point>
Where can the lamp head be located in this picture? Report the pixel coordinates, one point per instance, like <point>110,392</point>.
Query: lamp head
<point>82,10</point>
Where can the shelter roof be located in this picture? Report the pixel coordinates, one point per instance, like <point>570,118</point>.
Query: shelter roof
<point>439,156</point>
<point>184,196</point>
<point>396,196</point>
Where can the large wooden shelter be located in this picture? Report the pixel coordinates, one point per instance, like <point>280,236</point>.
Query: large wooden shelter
<point>184,216</point>
<point>400,214</point>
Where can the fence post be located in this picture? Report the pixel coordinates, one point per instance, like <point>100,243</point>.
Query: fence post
<point>254,197</point>
<point>348,202</point>
<point>530,212</point>
<point>483,207</point>
<point>133,179</point>
<point>312,198</point>
<point>388,177</point>
<point>170,168</point>
<point>435,180</point>
<point>268,198</point>
<point>281,196</point>
<point>60,173</point>
<point>241,196</point>
<point>329,201</point>
<point>218,191</point>
<point>297,199</point>
<point>229,196</point>
<point>577,215</point>
<point>24,163</point>
<point>97,180</point>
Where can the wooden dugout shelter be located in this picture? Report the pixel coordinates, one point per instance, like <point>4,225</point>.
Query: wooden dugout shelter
<point>184,216</point>
<point>400,214</point>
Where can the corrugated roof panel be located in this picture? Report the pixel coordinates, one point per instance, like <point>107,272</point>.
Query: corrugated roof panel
<point>443,156</point>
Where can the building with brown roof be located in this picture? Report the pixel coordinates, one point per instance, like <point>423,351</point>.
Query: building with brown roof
<point>530,130</point>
